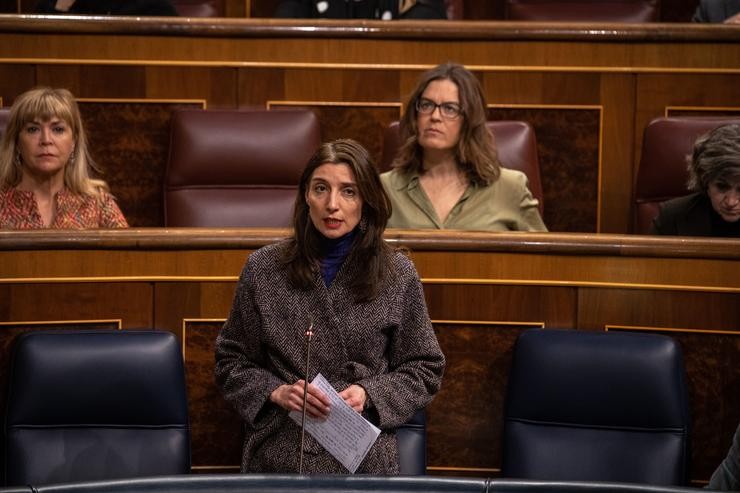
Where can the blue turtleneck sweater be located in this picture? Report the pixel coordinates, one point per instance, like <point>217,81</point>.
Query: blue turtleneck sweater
<point>334,251</point>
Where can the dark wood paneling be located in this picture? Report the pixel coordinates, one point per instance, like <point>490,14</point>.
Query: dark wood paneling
<point>257,86</point>
<point>215,85</point>
<point>365,124</point>
<point>552,306</point>
<point>14,80</point>
<point>465,420</point>
<point>568,151</point>
<point>215,427</point>
<point>658,308</point>
<point>130,140</point>
<point>130,302</point>
<point>177,301</point>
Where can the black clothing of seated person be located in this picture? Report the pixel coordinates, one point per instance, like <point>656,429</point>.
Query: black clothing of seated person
<point>727,11</point>
<point>714,176</point>
<point>361,9</point>
<point>727,475</point>
<point>107,7</point>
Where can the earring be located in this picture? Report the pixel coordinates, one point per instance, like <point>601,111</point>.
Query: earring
<point>71,157</point>
<point>17,160</point>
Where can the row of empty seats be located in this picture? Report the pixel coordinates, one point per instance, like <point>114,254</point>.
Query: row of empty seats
<point>580,406</point>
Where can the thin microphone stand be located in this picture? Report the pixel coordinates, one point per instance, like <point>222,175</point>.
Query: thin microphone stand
<point>309,334</point>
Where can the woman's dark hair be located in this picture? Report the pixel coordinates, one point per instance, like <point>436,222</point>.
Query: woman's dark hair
<point>370,253</point>
<point>716,156</point>
<point>476,152</point>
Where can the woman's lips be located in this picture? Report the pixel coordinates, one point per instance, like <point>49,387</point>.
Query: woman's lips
<point>332,223</point>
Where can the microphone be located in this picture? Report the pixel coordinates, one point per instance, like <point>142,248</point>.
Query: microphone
<point>308,335</point>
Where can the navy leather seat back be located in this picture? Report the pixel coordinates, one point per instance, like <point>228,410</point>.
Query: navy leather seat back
<point>412,445</point>
<point>87,405</point>
<point>596,406</point>
<point>237,168</point>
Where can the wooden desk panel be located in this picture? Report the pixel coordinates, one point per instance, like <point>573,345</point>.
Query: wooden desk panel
<point>482,290</point>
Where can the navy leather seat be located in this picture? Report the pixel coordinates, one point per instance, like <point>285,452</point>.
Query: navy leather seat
<point>530,486</point>
<point>596,406</point>
<point>88,405</point>
<point>412,445</point>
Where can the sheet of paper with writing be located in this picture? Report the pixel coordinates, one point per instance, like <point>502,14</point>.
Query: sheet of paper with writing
<point>345,434</point>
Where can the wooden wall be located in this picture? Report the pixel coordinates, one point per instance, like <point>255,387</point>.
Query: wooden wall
<point>588,92</point>
<point>482,290</point>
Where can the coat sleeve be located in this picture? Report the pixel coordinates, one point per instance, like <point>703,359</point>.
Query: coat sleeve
<point>416,362</point>
<point>241,364</point>
<point>530,219</point>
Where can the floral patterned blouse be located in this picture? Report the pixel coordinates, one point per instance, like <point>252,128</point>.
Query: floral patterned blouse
<point>18,210</point>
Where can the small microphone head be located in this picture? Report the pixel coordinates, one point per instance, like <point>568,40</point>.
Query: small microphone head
<point>309,330</point>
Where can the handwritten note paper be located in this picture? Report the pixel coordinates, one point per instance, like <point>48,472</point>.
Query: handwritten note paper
<point>345,434</point>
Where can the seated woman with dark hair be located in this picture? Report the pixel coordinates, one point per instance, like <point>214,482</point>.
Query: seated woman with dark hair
<point>714,175</point>
<point>45,168</point>
<point>373,340</point>
<point>447,174</point>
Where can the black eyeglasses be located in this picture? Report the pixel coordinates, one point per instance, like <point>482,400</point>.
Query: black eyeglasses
<point>447,110</point>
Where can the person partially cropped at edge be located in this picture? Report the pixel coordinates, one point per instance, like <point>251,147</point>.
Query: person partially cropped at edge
<point>714,176</point>
<point>447,174</point>
<point>46,169</point>
<point>727,475</point>
<point>373,340</point>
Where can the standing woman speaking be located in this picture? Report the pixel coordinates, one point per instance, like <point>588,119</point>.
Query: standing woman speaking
<point>373,340</point>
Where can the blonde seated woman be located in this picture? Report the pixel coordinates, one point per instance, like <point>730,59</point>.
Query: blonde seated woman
<point>447,174</point>
<point>45,168</point>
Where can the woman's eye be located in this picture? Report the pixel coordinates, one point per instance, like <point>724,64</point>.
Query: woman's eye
<point>349,192</point>
<point>32,129</point>
<point>319,188</point>
<point>722,186</point>
<point>60,129</point>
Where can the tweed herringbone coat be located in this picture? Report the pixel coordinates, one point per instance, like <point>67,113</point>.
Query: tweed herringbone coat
<point>386,345</point>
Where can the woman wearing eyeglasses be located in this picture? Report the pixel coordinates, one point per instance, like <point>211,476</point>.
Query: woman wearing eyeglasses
<point>447,174</point>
